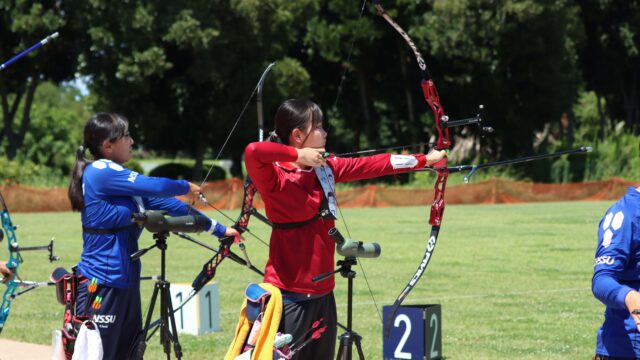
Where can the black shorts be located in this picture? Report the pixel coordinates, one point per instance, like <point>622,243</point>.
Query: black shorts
<point>119,318</point>
<point>298,318</point>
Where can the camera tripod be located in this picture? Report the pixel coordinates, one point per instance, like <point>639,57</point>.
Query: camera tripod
<point>162,289</point>
<point>349,337</point>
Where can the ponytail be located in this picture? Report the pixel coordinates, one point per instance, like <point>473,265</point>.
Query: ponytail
<point>75,193</point>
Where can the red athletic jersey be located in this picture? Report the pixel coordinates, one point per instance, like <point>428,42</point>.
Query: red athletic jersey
<point>295,195</point>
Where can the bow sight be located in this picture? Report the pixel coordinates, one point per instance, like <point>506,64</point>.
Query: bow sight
<point>13,244</point>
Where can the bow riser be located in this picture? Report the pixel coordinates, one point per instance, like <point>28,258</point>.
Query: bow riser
<point>247,206</point>
<point>9,229</point>
<point>433,99</point>
<point>13,263</point>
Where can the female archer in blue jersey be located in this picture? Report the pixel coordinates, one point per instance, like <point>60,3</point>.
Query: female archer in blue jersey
<point>107,194</point>
<point>616,279</point>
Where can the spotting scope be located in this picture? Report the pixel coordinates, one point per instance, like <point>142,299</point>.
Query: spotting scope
<point>157,221</point>
<point>354,248</point>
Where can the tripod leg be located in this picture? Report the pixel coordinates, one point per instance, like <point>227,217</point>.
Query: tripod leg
<point>164,341</point>
<point>359,347</point>
<point>345,347</point>
<point>165,337</point>
<point>174,330</point>
<point>143,339</point>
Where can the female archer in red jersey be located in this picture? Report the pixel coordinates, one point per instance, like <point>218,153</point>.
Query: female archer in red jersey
<point>297,185</point>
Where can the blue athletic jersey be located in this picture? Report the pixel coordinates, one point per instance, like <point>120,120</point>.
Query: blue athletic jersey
<point>112,194</point>
<point>616,272</point>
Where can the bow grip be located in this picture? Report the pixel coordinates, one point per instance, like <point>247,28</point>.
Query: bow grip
<point>207,273</point>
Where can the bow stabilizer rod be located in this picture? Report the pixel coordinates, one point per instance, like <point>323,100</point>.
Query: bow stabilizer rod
<point>25,52</point>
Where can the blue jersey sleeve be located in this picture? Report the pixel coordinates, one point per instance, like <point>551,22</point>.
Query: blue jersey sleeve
<point>614,251</point>
<point>111,179</point>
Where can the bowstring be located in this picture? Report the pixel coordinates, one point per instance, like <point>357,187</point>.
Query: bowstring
<point>335,104</point>
<point>224,144</point>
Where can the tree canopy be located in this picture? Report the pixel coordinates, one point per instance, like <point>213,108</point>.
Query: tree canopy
<point>550,73</point>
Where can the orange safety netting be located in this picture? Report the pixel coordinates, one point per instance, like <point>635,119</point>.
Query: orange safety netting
<point>228,194</point>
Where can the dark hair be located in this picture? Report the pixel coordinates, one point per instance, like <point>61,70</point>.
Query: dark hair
<point>295,114</point>
<point>99,128</point>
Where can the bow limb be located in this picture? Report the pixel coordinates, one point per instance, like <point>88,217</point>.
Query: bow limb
<point>249,189</point>
<point>259,101</point>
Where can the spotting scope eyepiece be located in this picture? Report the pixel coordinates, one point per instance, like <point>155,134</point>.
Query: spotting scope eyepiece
<point>354,248</point>
<point>157,221</point>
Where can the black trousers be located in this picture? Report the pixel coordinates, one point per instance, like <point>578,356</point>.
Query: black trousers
<point>298,318</point>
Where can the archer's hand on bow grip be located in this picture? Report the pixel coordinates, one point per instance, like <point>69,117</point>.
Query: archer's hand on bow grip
<point>437,158</point>
<point>235,234</point>
<point>7,271</point>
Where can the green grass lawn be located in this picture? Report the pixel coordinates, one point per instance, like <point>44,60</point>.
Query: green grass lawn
<point>513,280</point>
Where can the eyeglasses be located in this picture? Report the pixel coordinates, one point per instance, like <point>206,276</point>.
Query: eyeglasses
<point>126,135</point>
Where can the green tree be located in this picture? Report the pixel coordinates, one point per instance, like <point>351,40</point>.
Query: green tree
<point>58,116</point>
<point>180,71</point>
<point>611,59</point>
<point>516,57</point>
